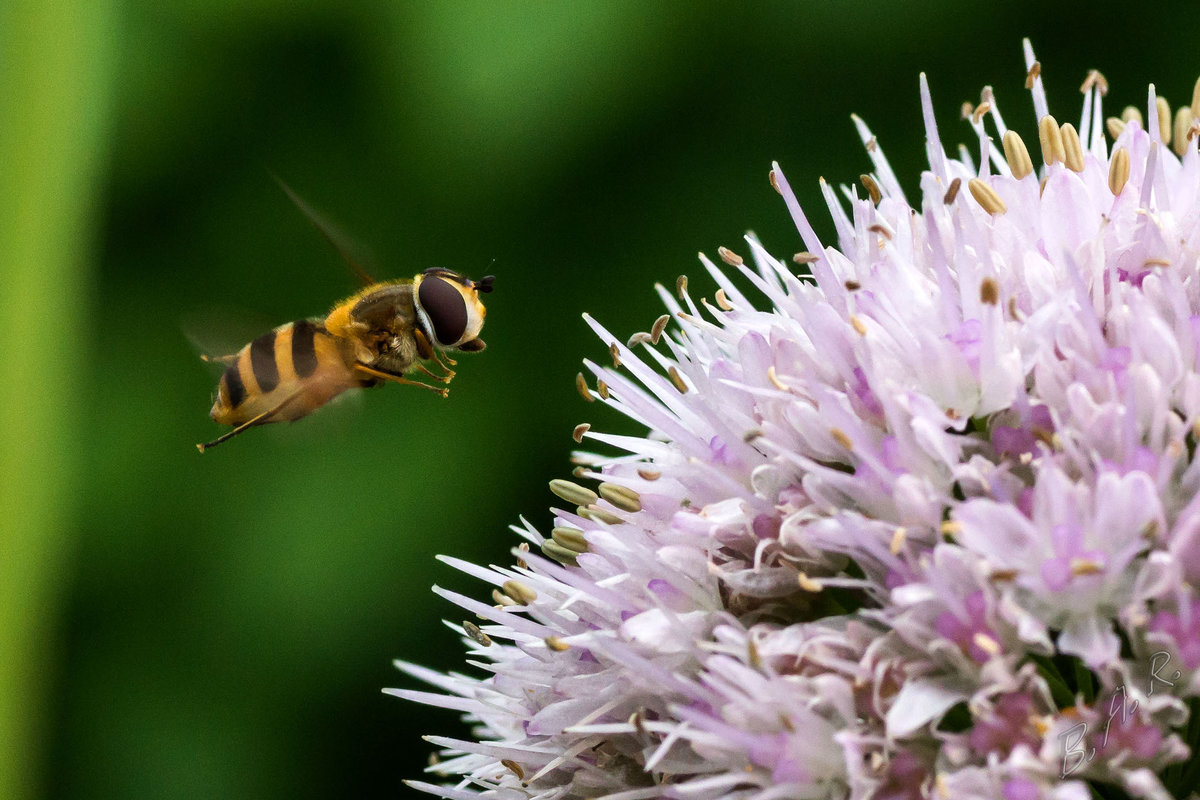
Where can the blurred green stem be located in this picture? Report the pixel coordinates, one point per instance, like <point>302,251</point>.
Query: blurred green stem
<point>56,69</point>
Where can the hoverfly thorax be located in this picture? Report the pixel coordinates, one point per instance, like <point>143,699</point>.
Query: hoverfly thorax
<point>449,309</point>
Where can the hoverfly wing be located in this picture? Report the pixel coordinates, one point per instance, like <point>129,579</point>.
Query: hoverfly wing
<point>352,253</point>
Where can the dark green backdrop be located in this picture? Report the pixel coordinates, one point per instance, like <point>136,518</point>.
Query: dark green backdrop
<point>183,626</point>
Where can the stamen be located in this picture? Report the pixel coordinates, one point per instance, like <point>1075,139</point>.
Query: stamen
<point>572,492</point>
<point>723,301</point>
<point>614,352</point>
<point>622,497</point>
<point>570,538</point>
<point>641,337</point>
<point>519,592</point>
<point>729,257</point>
<point>979,111</point>
<point>1196,99</point>
<point>660,325</point>
<point>602,390</point>
<point>882,230</point>
<point>1183,123</point>
<point>1085,566</point>
<point>859,326</point>
<point>1050,136</point>
<point>1072,148</point>
<point>579,431</point>
<point>1032,74</point>
<point>647,474</point>
<point>594,512</point>
<point>774,379</point>
<point>854,286</point>
<point>872,188</point>
<point>808,584</point>
<point>1130,113</point>
<point>476,635</point>
<point>582,387</point>
<point>1118,171</point>
<point>952,192</point>
<point>986,196</point>
<point>677,380</point>
<point>502,599</point>
<point>1094,78</point>
<point>774,182</point>
<point>513,767</point>
<point>681,287</point>
<point>841,438</point>
<point>805,257</point>
<point>1115,127</point>
<point>554,550</point>
<point>557,645</point>
<point>898,538</point>
<point>951,528</point>
<point>989,292</point>
<point>1017,155</point>
<point>986,643</point>
<point>964,111</point>
<point>1164,118</point>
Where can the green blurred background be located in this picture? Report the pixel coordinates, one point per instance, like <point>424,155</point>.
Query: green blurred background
<point>183,626</point>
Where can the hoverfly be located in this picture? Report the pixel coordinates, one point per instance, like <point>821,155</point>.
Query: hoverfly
<point>375,336</point>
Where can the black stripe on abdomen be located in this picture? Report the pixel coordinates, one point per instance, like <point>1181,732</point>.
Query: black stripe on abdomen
<point>235,390</point>
<point>262,362</point>
<point>304,348</point>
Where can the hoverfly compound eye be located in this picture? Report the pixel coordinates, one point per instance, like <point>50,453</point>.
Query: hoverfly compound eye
<point>444,306</point>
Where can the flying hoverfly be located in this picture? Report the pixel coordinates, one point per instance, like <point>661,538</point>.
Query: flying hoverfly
<point>378,335</point>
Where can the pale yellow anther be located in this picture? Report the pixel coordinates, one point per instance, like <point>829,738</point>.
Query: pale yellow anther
<point>986,643</point>
<point>1118,171</point>
<point>774,379</point>
<point>1050,136</point>
<point>681,286</point>
<point>723,301</point>
<point>572,492</point>
<point>1072,148</point>
<point>951,528</point>
<point>979,111</point>
<point>647,474</point>
<point>476,635</point>
<point>986,196</point>
<point>805,257</point>
<point>1017,155</point>
<point>614,353</point>
<point>966,109</point>
<point>1164,118</point>
<point>1130,113</point>
<point>570,538</point>
<point>579,431</point>
<point>808,584</point>
<point>841,438</point>
<point>1114,126</point>
<point>1183,123</point>
<point>622,497</point>
<point>898,538</point>
<point>859,326</point>
<point>1085,566</point>
<point>518,591</point>
<point>602,389</point>
<point>729,257</point>
<point>557,645</point>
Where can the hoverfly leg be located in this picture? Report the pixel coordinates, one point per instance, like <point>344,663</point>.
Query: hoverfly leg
<point>434,375</point>
<point>229,359</point>
<point>250,423</point>
<point>387,376</point>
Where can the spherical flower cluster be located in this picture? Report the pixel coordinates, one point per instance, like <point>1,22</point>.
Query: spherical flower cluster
<point>922,520</point>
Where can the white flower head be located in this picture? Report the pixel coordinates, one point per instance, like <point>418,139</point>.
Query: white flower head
<point>901,522</point>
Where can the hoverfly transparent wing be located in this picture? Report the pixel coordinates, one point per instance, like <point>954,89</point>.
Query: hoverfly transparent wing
<point>351,252</point>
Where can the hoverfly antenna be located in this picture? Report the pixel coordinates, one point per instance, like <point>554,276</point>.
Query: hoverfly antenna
<point>484,285</point>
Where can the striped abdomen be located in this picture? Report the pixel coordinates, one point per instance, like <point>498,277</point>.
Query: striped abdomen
<point>290,371</point>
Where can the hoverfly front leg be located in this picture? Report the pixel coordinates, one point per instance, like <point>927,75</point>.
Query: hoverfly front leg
<point>387,376</point>
<point>426,351</point>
